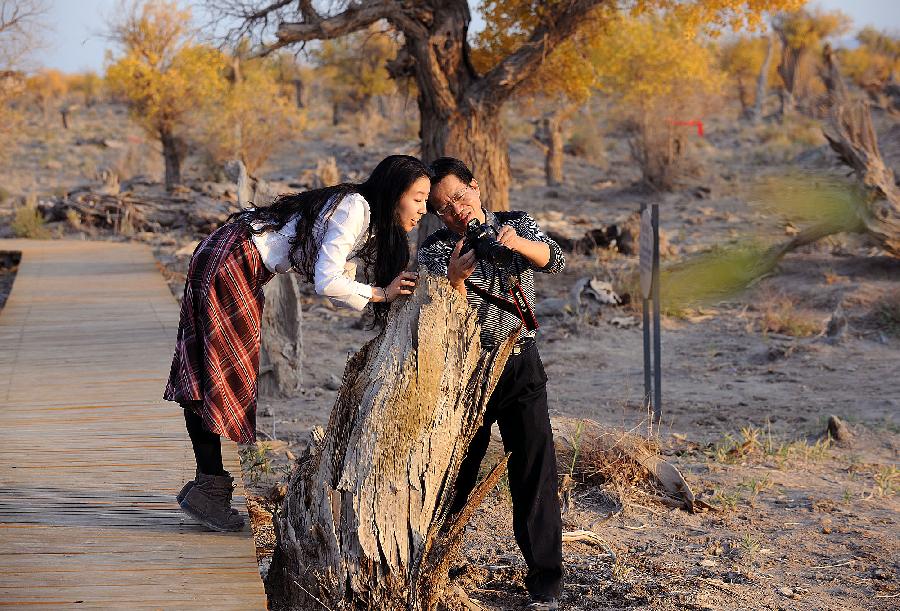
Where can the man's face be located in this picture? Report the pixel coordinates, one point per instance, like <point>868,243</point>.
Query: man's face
<point>456,202</point>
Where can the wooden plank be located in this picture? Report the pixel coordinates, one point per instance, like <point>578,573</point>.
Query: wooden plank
<point>90,455</point>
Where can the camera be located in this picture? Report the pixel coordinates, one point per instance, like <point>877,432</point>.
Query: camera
<point>482,238</point>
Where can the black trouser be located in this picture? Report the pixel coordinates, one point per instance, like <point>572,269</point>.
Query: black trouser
<point>519,407</point>
<point>207,445</point>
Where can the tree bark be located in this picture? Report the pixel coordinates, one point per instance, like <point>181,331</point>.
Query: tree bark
<point>299,92</point>
<point>237,171</point>
<point>762,82</point>
<point>746,109</point>
<point>365,522</point>
<point>553,163</point>
<point>174,151</point>
<point>788,70</point>
<point>549,137</point>
<point>280,367</point>
<point>475,136</point>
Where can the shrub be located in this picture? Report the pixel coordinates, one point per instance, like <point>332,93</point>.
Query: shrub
<point>587,143</point>
<point>29,222</point>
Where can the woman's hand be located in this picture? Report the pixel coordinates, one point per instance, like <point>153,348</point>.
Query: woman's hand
<point>403,284</point>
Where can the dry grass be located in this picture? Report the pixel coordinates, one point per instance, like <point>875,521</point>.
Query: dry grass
<point>784,141</point>
<point>603,456</point>
<point>782,316</point>
<point>887,312</point>
<point>28,222</point>
<point>779,314</point>
<point>754,444</point>
<point>587,143</point>
<point>886,481</point>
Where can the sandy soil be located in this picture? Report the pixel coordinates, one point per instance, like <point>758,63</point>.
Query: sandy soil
<point>748,383</point>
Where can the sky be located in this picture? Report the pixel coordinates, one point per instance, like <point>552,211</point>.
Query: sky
<point>75,39</point>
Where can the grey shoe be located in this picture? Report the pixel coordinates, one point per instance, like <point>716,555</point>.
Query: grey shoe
<point>543,603</point>
<point>209,502</point>
<point>186,488</point>
<point>180,496</point>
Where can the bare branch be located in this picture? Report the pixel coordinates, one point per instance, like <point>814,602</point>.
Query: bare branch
<point>352,19</point>
<point>20,21</point>
<point>498,84</point>
<point>250,19</point>
<point>292,21</point>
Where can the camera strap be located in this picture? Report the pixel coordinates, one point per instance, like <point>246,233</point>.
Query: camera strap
<point>517,306</point>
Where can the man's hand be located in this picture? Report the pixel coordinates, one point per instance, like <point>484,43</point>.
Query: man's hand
<point>509,238</point>
<point>536,252</point>
<point>460,267</point>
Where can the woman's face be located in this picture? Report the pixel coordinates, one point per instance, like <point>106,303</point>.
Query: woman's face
<point>411,206</point>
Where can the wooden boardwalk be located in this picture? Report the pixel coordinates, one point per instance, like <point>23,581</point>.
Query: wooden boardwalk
<point>90,455</point>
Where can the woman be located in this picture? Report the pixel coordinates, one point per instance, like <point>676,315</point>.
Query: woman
<point>317,233</point>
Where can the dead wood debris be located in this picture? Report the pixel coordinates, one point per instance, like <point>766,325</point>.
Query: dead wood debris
<point>593,453</point>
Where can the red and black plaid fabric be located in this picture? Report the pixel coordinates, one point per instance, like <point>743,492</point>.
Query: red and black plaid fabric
<point>216,361</point>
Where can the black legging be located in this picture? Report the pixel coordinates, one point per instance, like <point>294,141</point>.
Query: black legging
<point>207,445</point>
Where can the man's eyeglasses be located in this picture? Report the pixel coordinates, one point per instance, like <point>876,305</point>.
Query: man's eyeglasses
<point>454,199</point>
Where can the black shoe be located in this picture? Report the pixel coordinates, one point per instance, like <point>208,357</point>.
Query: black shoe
<point>209,502</point>
<point>187,488</point>
<point>543,603</point>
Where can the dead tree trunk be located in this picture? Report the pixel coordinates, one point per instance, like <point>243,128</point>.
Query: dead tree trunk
<point>365,521</point>
<point>851,135</point>
<point>174,151</point>
<point>788,69</point>
<point>549,137</point>
<point>746,109</point>
<point>299,92</point>
<point>762,82</point>
<point>282,338</point>
<point>237,172</point>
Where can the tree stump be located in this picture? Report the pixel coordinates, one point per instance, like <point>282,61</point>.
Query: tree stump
<point>280,372</point>
<point>365,523</point>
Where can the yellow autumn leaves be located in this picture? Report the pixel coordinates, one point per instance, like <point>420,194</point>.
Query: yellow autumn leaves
<point>176,87</point>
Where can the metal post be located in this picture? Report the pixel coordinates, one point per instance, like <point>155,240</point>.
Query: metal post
<point>645,309</point>
<point>657,343</point>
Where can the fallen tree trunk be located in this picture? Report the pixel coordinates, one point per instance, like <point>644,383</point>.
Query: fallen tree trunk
<point>365,523</point>
<point>850,133</point>
<point>852,137</point>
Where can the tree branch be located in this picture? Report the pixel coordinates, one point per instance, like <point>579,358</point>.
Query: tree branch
<point>315,27</point>
<point>498,84</point>
<point>352,19</point>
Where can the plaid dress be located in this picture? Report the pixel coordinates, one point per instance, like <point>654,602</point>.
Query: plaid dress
<point>216,361</point>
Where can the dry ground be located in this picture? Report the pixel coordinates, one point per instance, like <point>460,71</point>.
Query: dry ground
<point>748,383</point>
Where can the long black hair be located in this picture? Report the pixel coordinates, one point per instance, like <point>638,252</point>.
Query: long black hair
<point>385,252</point>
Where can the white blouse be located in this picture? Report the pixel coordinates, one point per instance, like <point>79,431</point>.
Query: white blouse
<point>335,271</point>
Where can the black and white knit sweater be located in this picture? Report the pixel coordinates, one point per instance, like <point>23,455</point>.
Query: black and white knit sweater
<point>496,324</point>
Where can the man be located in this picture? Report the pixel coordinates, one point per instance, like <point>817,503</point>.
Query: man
<point>519,402</point>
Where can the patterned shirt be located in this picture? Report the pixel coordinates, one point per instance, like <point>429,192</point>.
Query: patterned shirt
<point>496,324</point>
